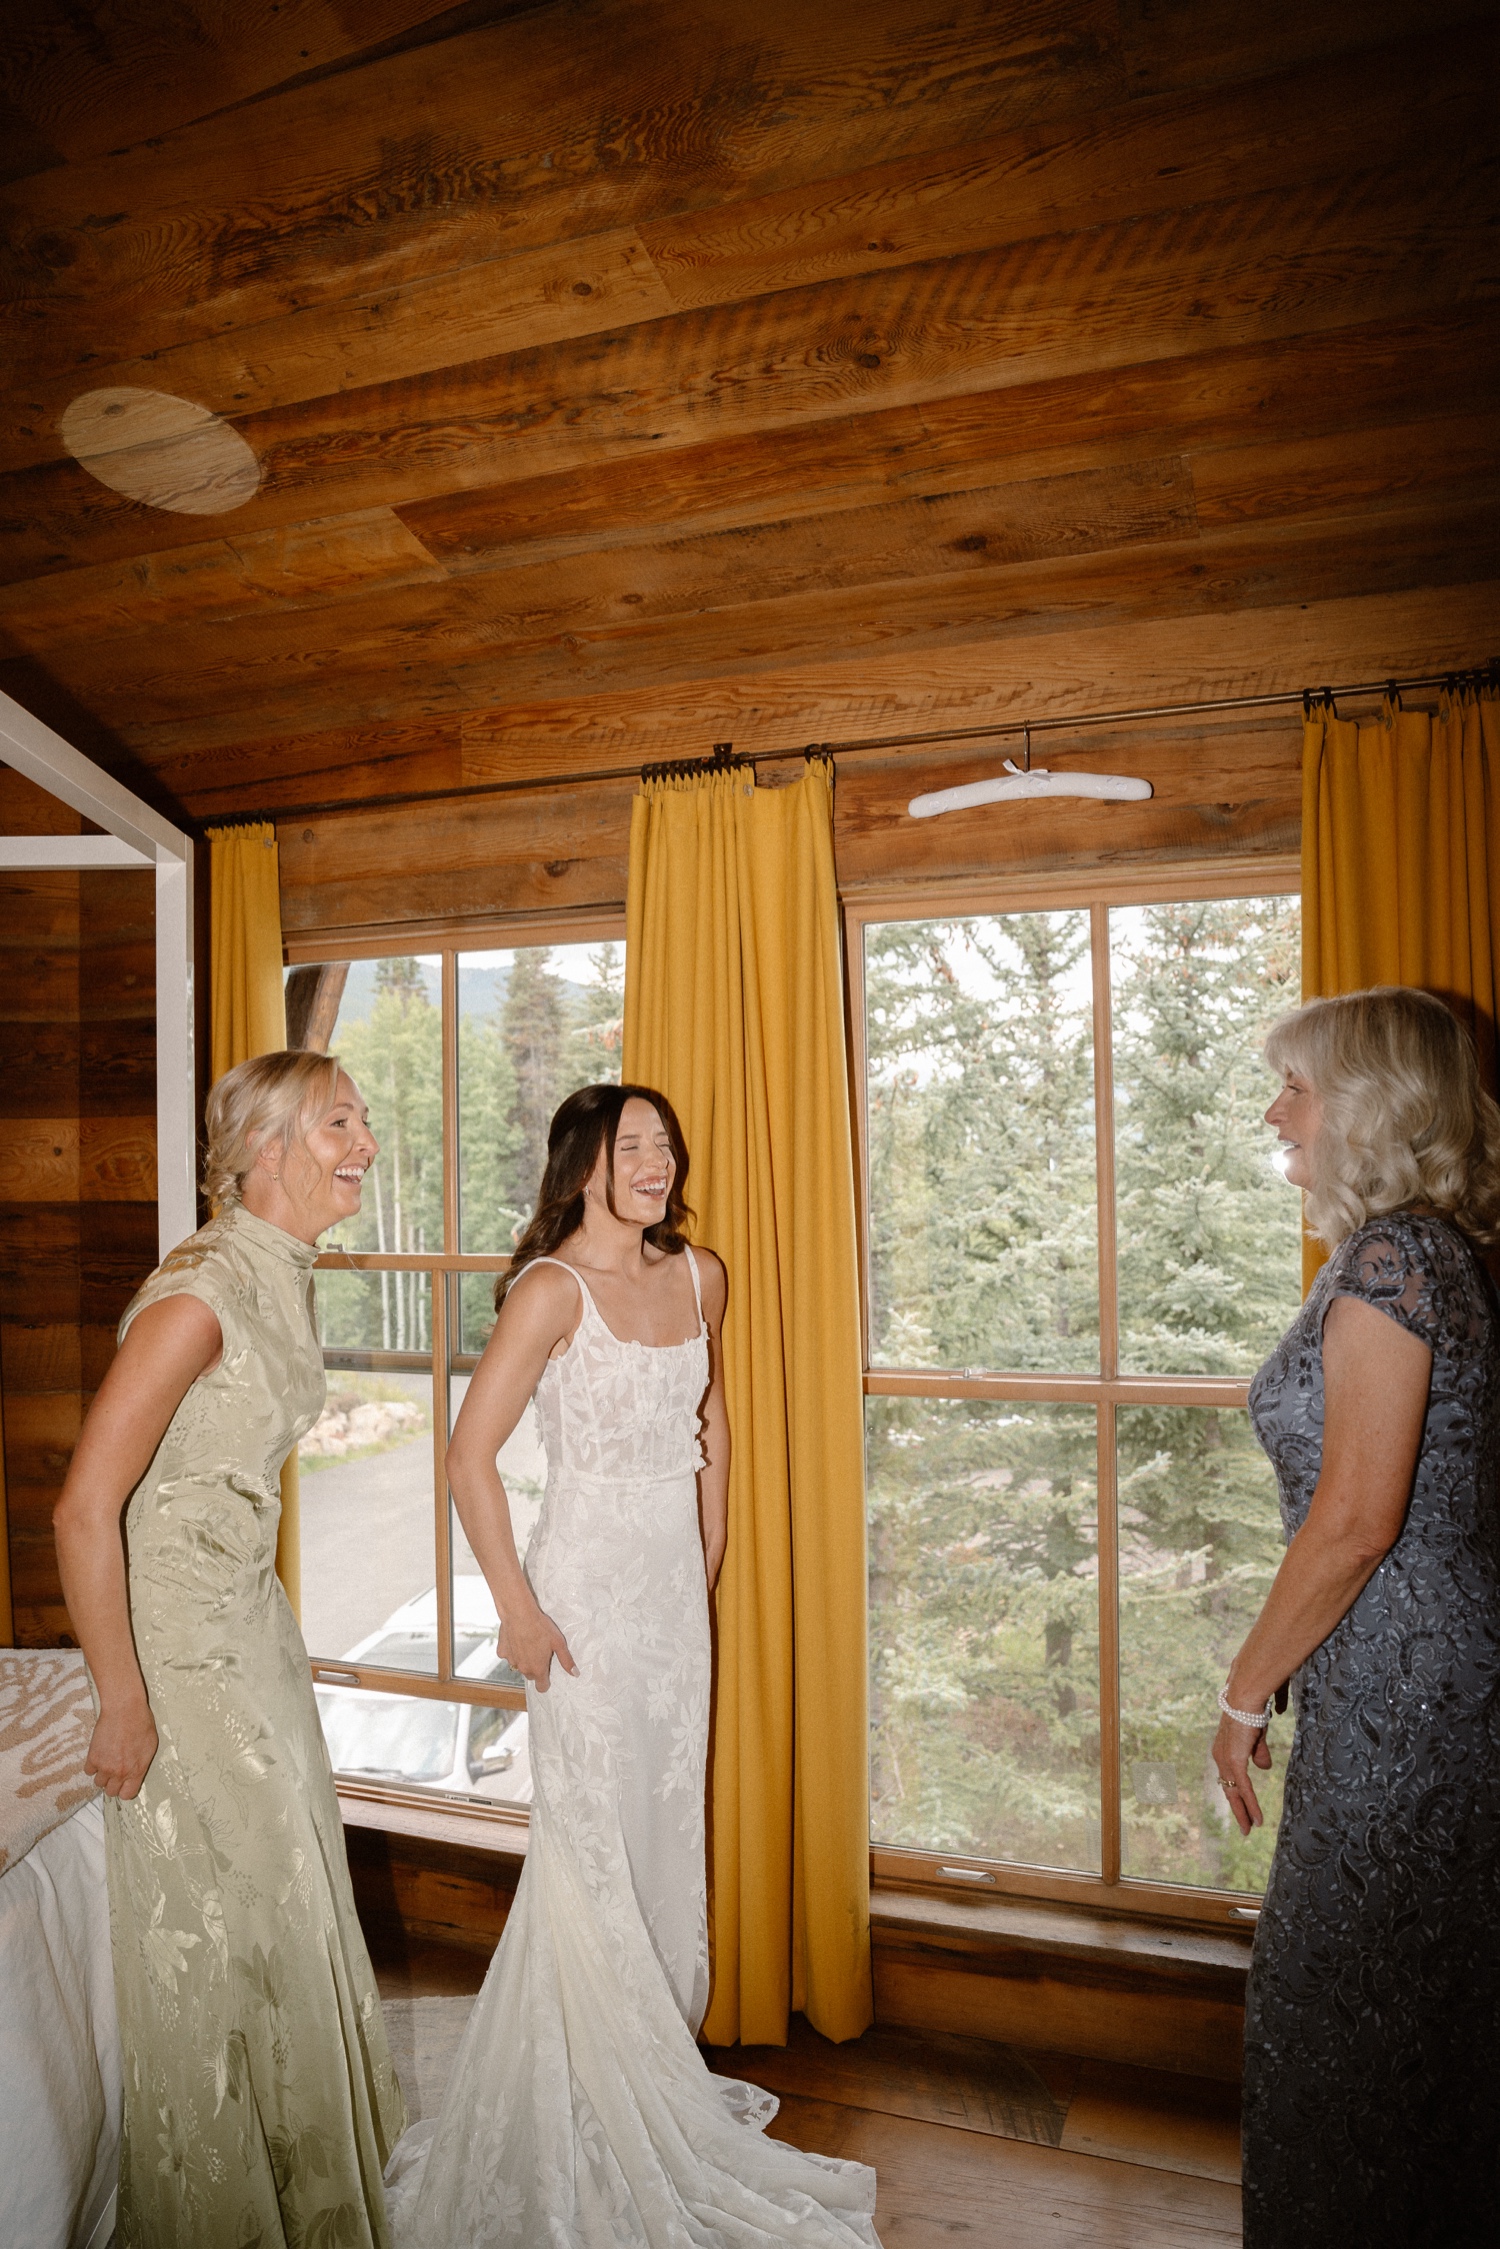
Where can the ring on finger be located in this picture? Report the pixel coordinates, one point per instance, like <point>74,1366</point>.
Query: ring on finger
<point>1229,1787</point>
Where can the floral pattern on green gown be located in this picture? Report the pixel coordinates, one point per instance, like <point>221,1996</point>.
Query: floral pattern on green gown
<point>260,2102</point>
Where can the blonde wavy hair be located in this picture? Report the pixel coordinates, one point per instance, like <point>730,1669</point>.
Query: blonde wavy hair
<point>1405,1118</point>
<point>272,1097</point>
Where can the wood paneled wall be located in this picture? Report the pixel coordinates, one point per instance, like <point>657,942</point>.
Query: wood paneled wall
<point>1226,787</point>
<point>77,1169</point>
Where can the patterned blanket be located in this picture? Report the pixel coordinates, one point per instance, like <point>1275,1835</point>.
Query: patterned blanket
<point>46,1717</point>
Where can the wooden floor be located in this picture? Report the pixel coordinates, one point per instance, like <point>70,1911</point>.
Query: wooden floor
<point>976,2144</point>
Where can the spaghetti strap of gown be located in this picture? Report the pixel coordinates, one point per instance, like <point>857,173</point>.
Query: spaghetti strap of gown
<point>580,2113</point>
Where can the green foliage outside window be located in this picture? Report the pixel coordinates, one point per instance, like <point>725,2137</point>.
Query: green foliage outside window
<point>983,1235</point>
<point>984,1658</point>
<point>984,1628</point>
<point>549,1022</point>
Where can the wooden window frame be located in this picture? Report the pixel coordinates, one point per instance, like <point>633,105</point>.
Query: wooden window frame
<point>955,1874</point>
<point>448,940</point>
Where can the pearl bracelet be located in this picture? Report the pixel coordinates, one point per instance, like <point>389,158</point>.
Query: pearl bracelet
<point>1259,1719</point>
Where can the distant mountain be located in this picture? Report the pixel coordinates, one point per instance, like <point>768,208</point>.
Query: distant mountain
<point>481,984</point>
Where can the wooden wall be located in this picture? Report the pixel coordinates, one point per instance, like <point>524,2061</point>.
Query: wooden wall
<point>1062,1979</point>
<point>77,1168</point>
<point>1226,787</point>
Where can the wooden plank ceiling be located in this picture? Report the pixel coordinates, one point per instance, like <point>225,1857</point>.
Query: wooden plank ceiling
<point>627,375</point>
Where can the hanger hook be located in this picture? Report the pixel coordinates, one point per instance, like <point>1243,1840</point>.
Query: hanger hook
<point>1026,749</point>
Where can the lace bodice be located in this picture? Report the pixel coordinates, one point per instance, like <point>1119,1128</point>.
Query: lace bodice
<point>628,1411</point>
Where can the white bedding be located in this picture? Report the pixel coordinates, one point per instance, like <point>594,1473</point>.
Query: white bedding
<point>59,2044</point>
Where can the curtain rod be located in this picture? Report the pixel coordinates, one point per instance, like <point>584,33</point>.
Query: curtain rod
<point>720,757</point>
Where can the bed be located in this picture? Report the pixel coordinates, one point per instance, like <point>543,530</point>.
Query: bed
<point>59,2040</point>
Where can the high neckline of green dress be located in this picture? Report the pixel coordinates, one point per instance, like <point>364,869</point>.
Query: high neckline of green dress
<point>261,1234</point>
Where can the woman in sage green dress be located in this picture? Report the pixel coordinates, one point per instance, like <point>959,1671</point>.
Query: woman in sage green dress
<point>260,2103</point>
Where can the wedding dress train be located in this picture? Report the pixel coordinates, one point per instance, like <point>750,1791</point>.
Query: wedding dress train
<point>580,2114</point>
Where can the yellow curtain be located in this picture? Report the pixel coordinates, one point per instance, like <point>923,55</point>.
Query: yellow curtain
<point>1401,859</point>
<point>734,1007</point>
<point>247,1016</point>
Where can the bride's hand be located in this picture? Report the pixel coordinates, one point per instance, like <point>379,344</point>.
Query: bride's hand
<point>529,1640</point>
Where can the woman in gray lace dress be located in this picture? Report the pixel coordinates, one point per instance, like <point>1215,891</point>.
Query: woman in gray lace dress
<point>1372,2090</point>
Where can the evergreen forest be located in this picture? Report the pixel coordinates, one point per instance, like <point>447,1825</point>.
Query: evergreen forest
<point>555,1026</point>
<point>984,1562</point>
<point>983,1241</point>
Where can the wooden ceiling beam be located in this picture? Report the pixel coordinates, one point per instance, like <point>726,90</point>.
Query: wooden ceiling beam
<point>567,121</point>
<point>1050,674</point>
<point>249,683</point>
<point>1162,155</point>
<point>1085,511</point>
<point>352,763</point>
<point>1350,472</point>
<point>299,566</point>
<point>1340,380</point>
<point>1171,152</point>
<point>1378,407</point>
<point>1283,264</point>
<point>1205,42</point>
<point>179,63</point>
<point>532,298</point>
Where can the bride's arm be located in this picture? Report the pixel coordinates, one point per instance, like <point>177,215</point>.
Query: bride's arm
<point>541,1311</point>
<point>713,1480</point>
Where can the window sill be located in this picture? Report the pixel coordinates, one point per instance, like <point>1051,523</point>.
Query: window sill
<point>1001,1928</point>
<point>1000,1931</point>
<point>425,1819</point>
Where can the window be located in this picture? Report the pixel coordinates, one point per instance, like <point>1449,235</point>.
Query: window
<point>1077,1253</point>
<point>462,1057</point>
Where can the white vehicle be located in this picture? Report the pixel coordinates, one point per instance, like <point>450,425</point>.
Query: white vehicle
<point>453,1748</point>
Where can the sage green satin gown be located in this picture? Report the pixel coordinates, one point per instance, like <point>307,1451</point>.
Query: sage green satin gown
<point>260,2102</point>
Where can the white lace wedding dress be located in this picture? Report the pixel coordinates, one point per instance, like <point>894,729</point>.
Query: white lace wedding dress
<point>581,2114</point>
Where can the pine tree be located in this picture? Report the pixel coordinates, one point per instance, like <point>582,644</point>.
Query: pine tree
<point>983,1537</point>
<point>532,1022</point>
<point>591,1049</point>
<point>394,1056</point>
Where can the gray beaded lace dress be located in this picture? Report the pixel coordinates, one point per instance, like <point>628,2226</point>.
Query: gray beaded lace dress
<point>1372,2086</point>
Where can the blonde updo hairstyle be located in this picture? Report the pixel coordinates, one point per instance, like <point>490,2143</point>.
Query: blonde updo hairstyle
<point>272,1097</point>
<point>1405,1118</point>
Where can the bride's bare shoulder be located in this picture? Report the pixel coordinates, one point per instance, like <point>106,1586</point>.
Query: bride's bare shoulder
<point>543,1294</point>
<point>713,1280</point>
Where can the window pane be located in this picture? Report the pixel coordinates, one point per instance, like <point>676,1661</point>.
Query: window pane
<point>476,1311</point>
<point>535,1023</point>
<point>1209,1233</point>
<point>984,1629</point>
<point>1200,1539</point>
<point>983,1233</point>
<point>456,1748</point>
<point>368,1558</point>
<point>523,1468</point>
<point>389,1037</point>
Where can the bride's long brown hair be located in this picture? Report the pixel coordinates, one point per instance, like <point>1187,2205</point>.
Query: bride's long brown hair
<point>588,1121</point>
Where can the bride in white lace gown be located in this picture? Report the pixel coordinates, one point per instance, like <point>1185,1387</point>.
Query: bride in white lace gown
<point>581,2114</point>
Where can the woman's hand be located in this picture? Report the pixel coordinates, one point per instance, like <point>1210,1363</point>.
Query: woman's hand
<point>1236,1749</point>
<point>529,1640</point>
<point>121,1749</point>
